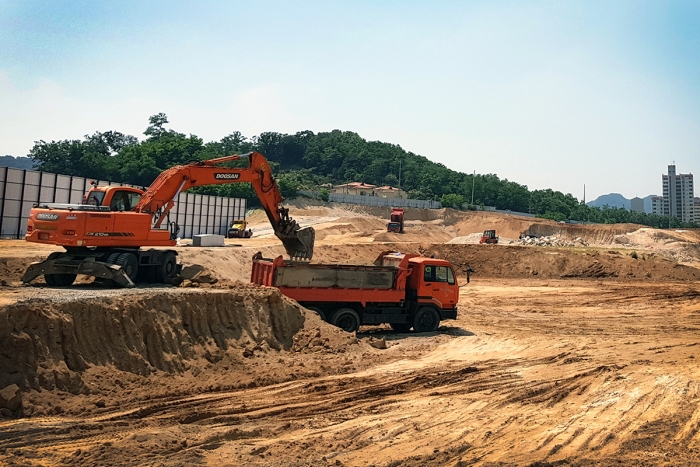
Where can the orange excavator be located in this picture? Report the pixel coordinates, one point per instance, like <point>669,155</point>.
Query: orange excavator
<point>104,236</point>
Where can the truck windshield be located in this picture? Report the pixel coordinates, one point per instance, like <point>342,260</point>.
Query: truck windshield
<point>438,274</point>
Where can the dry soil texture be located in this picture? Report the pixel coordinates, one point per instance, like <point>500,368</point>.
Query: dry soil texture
<point>566,356</point>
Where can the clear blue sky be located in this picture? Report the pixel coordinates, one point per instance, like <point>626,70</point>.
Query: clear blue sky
<point>550,94</point>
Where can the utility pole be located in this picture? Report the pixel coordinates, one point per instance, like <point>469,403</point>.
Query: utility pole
<point>473,179</point>
<point>399,178</point>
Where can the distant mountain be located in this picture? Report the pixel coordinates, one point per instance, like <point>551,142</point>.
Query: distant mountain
<point>616,200</point>
<point>16,162</point>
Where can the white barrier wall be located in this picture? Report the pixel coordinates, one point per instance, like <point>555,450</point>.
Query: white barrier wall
<point>21,189</point>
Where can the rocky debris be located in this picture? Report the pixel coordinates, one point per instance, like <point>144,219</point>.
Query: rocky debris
<point>552,240</point>
<point>192,276</point>
<point>10,398</point>
<point>262,347</point>
<point>319,336</point>
<point>310,339</point>
<point>378,343</point>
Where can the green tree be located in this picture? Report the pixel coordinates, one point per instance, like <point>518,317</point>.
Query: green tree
<point>452,201</point>
<point>155,127</point>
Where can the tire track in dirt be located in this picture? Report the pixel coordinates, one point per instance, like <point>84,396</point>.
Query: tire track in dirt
<point>358,407</point>
<point>597,376</point>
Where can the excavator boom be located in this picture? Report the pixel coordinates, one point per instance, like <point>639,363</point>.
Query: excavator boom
<point>158,198</point>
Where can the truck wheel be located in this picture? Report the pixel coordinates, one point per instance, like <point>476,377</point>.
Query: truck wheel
<point>318,311</point>
<point>346,319</point>
<point>59,280</point>
<point>401,327</point>
<point>166,270</point>
<point>129,264</point>
<point>426,320</point>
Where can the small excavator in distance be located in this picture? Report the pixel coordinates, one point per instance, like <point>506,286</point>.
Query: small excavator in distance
<point>104,236</point>
<point>489,237</point>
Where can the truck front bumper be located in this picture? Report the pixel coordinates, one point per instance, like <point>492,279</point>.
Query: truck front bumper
<point>448,314</point>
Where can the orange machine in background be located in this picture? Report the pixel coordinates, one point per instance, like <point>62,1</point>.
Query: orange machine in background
<point>489,236</point>
<point>395,221</point>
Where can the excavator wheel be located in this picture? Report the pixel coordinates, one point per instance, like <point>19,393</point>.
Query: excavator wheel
<point>59,280</point>
<point>129,264</point>
<point>112,259</point>
<point>166,270</point>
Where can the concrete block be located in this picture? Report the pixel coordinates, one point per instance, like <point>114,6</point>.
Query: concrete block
<point>208,240</point>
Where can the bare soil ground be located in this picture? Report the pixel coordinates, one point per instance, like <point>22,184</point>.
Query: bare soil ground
<point>560,356</point>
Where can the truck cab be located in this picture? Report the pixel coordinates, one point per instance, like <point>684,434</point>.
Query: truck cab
<point>433,282</point>
<point>395,221</point>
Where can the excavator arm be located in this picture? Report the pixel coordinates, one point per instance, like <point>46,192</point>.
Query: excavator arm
<point>159,198</point>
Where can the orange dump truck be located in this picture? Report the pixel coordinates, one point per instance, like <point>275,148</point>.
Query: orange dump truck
<point>405,290</point>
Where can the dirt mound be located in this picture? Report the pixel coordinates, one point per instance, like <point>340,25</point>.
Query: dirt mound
<point>48,344</point>
<point>550,263</point>
<point>12,269</point>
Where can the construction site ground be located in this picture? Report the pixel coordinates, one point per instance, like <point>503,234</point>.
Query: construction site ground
<point>582,355</point>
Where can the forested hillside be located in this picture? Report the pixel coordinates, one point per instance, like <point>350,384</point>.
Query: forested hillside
<point>306,160</point>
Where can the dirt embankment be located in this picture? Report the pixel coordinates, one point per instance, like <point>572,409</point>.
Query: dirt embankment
<point>48,344</point>
<point>500,261</point>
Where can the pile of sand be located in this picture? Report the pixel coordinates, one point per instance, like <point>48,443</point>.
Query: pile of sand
<point>48,344</point>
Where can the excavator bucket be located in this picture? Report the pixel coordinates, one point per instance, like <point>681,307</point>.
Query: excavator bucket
<point>299,243</point>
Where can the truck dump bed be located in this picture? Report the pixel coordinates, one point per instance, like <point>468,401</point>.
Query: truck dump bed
<point>340,276</point>
<point>384,282</point>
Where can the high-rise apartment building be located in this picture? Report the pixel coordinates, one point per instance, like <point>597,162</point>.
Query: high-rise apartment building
<point>637,204</point>
<point>678,198</point>
<point>697,210</point>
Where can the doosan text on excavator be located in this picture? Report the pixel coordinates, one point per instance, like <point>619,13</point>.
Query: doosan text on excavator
<point>104,237</point>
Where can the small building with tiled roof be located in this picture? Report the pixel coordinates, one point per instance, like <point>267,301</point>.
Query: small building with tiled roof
<point>366,189</point>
